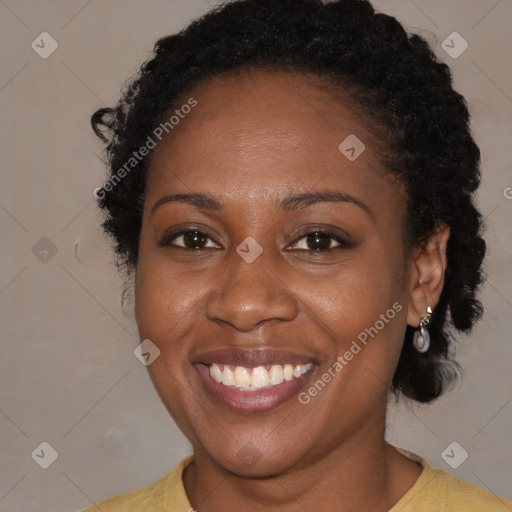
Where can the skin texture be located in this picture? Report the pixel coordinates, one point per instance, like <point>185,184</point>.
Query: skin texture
<point>252,140</point>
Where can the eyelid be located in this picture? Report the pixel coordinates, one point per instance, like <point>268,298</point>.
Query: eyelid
<point>343,242</point>
<point>167,239</point>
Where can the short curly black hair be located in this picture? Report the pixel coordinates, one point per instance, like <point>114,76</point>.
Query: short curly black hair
<point>393,77</point>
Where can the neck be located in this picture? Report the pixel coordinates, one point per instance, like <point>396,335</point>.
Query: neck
<point>361,473</point>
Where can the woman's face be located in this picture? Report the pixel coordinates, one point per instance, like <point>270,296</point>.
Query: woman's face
<point>257,289</point>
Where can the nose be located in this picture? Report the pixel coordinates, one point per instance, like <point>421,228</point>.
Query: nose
<point>250,294</point>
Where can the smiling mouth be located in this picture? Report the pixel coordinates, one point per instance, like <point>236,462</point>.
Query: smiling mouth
<point>253,389</point>
<point>257,378</point>
<point>253,380</point>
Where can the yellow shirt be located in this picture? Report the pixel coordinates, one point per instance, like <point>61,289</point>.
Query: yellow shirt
<point>434,491</point>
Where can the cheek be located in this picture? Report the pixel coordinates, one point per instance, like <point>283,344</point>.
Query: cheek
<point>356,295</point>
<point>344,300</point>
<point>164,302</point>
<point>362,308</point>
<point>165,305</point>
<point>164,295</point>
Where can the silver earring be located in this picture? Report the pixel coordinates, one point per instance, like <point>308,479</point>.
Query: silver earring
<point>421,338</point>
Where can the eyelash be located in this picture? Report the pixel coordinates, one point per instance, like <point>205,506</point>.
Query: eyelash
<point>343,244</point>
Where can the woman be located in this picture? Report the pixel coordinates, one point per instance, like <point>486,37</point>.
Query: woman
<point>292,184</point>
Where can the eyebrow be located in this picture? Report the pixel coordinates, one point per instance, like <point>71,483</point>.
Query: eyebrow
<point>294,202</point>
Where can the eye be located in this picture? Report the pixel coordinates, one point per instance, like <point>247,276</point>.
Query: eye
<point>317,241</point>
<point>320,241</point>
<point>190,239</point>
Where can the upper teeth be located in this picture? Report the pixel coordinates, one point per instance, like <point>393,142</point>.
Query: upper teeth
<point>250,379</point>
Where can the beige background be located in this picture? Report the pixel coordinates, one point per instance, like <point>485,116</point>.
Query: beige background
<point>67,370</point>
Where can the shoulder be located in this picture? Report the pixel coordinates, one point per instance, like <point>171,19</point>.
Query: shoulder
<point>439,491</point>
<point>166,495</point>
<point>445,492</point>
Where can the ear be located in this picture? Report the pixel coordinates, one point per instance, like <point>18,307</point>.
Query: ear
<point>428,267</point>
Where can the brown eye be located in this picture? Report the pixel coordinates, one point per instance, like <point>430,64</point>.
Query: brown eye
<point>194,239</point>
<point>318,241</point>
<point>321,241</point>
<point>191,239</point>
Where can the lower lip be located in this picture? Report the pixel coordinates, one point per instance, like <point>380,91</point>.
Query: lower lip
<point>251,401</point>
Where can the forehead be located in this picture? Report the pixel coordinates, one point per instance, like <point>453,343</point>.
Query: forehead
<point>257,130</point>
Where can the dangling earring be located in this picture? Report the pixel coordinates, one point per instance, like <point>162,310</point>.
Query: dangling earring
<point>421,338</point>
